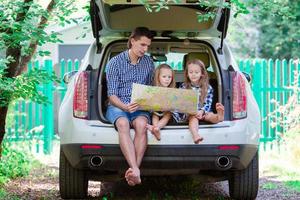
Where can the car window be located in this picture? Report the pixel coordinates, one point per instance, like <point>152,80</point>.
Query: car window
<point>174,60</point>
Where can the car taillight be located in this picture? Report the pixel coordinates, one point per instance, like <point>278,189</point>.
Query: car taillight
<point>239,102</point>
<point>229,147</point>
<point>88,146</point>
<point>80,98</point>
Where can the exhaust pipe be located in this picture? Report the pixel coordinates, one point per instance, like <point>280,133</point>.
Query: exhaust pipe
<point>96,161</point>
<point>223,162</point>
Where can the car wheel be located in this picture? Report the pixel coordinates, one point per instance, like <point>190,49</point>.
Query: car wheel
<point>73,183</point>
<point>243,184</point>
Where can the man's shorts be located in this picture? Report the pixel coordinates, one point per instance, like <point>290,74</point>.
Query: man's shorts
<point>113,113</point>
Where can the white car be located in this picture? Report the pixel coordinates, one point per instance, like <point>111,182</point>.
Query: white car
<point>89,143</point>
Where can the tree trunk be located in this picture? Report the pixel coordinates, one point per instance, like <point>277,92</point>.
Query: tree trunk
<point>3,113</point>
<point>33,45</point>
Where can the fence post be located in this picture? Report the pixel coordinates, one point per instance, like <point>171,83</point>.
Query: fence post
<point>278,96</point>
<point>30,119</point>
<point>62,84</point>
<point>272,96</point>
<point>48,111</point>
<point>264,93</point>
<point>258,93</point>
<point>76,64</point>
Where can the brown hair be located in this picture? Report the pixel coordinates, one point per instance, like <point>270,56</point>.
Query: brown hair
<point>139,32</point>
<point>203,83</point>
<point>157,72</point>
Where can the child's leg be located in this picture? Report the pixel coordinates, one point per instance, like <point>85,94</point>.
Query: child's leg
<point>215,118</point>
<point>194,126</point>
<point>155,128</point>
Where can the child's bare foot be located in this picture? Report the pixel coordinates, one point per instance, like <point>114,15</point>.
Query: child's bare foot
<point>156,132</point>
<point>220,111</point>
<point>133,177</point>
<point>197,139</point>
<point>149,127</point>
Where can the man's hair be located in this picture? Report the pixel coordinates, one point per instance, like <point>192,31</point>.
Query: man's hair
<point>139,32</point>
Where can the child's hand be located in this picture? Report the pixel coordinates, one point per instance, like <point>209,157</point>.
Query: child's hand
<point>200,115</point>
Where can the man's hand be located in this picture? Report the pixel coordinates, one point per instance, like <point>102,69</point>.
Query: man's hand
<point>132,107</point>
<point>200,115</point>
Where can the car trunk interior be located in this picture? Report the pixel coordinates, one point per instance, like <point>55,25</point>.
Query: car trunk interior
<point>114,12</point>
<point>177,54</point>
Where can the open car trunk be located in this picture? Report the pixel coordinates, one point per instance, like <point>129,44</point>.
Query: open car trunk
<point>177,54</point>
<point>117,18</point>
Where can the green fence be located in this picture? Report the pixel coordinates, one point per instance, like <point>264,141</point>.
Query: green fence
<point>272,85</point>
<point>30,121</point>
<point>38,123</point>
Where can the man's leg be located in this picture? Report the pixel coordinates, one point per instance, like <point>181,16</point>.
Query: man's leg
<point>126,144</point>
<point>140,144</point>
<point>140,137</point>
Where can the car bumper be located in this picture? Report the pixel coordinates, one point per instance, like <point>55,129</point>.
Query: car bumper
<point>167,157</point>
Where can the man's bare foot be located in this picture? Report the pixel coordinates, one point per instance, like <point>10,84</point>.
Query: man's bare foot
<point>198,139</point>
<point>133,177</point>
<point>220,111</point>
<point>156,132</point>
<point>130,182</point>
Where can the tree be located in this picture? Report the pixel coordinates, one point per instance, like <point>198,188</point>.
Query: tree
<point>22,29</point>
<point>280,34</point>
<point>271,30</point>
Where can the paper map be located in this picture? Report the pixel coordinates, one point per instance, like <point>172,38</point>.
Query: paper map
<point>154,98</point>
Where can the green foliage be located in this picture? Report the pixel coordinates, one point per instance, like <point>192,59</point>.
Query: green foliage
<point>25,86</point>
<point>279,34</point>
<point>15,33</point>
<point>15,162</point>
<point>22,29</point>
<point>271,30</point>
<point>288,115</point>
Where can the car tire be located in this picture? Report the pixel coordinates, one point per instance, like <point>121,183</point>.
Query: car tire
<point>243,184</point>
<point>73,183</point>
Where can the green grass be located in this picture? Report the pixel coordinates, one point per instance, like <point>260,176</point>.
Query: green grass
<point>15,162</point>
<point>294,185</point>
<point>285,164</point>
<point>269,186</point>
<point>6,196</point>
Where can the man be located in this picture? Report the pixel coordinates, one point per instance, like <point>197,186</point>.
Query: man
<point>128,67</point>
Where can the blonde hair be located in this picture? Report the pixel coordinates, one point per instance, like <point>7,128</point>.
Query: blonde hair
<point>157,73</point>
<point>203,82</point>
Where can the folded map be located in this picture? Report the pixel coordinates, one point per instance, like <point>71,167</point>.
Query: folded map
<point>154,98</point>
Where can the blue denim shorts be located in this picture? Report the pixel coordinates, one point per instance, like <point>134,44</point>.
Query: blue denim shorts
<point>113,113</point>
